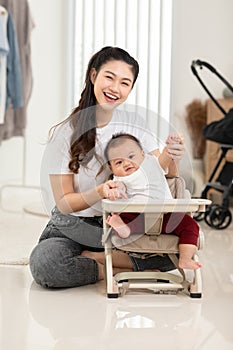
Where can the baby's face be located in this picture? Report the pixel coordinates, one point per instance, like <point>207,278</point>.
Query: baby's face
<point>125,158</point>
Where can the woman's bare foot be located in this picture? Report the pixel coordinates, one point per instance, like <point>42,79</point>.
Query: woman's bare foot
<point>121,262</point>
<point>99,257</point>
<point>118,225</point>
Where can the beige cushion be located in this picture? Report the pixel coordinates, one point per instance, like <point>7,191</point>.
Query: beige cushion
<point>164,243</point>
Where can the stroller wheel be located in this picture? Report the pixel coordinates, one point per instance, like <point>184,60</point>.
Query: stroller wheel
<point>218,217</point>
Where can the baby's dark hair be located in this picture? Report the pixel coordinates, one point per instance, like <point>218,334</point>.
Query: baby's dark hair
<point>117,140</point>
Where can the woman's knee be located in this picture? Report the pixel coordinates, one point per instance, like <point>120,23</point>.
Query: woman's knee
<point>56,263</point>
<point>43,260</point>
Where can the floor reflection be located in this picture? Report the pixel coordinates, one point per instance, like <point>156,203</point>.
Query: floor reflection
<point>14,310</point>
<point>69,315</point>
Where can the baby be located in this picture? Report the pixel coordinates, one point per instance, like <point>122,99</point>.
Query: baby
<point>139,176</point>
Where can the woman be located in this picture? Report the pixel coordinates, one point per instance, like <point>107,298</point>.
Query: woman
<point>69,252</point>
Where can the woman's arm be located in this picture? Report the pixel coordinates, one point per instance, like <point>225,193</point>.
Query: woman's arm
<point>68,201</point>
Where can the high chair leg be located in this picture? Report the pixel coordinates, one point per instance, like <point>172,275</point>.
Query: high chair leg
<point>194,288</point>
<point>112,287</point>
<point>196,285</point>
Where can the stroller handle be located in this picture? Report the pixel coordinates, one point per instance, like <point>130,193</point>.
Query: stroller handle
<point>201,64</point>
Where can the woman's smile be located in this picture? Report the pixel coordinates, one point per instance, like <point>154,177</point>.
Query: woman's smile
<point>110,97</point>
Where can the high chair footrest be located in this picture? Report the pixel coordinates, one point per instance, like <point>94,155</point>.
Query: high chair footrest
<point>144,275</point>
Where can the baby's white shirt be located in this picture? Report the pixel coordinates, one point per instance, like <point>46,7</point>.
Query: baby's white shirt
<point>148,182</point>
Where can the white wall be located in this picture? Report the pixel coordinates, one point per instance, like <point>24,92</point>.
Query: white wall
<point>202,29</point>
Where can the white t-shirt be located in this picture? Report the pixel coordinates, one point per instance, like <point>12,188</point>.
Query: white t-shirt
<point>56,158</point>
<point>148,182</point>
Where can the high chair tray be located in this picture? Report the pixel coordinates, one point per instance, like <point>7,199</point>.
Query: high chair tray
<point>153,206</point>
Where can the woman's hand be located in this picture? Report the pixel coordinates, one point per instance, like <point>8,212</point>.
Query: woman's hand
<point>175,146</point>
<point>114,189</point>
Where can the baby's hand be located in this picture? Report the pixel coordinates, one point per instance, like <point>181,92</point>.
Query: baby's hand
<point>175,139</point>
<point>114,190</point>
<point>122,190</point>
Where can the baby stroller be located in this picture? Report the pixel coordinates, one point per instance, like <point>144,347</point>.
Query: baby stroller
<point>218,216</point>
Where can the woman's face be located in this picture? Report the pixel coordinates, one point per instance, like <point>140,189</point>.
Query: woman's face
<point>112,84</point>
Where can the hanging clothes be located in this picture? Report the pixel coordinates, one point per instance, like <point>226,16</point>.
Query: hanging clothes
<point>14,78</point>
<point>4,49</point>
<point>15,118</point>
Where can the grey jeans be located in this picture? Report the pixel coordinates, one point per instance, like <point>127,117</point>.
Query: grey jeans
<point>56,262</point>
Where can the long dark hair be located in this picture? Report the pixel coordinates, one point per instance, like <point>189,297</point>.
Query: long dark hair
<point>83,118</point>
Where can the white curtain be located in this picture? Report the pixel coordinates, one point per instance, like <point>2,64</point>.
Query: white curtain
<point>143,28</point>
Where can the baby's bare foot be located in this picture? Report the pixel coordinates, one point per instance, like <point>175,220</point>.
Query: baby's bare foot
<point>189,264</point>
<point>118,225</point>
